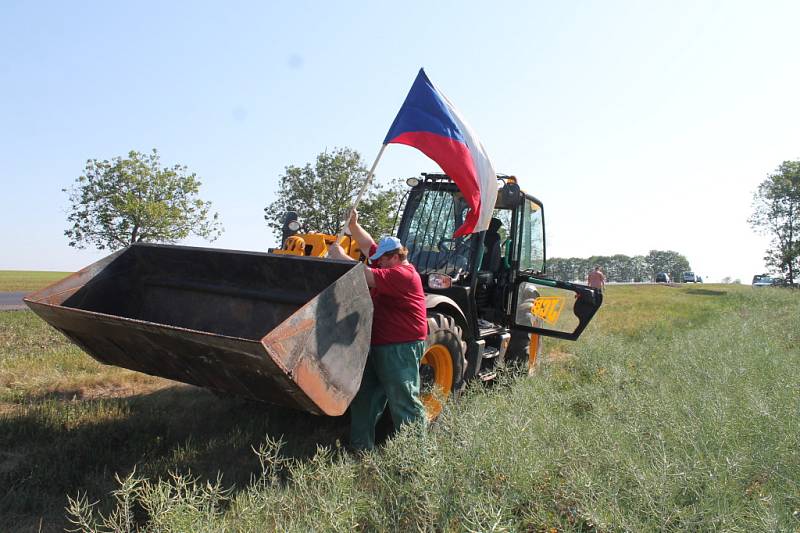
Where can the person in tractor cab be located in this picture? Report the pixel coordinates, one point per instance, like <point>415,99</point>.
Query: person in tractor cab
<point>399,328</point>
<point>492,256</point>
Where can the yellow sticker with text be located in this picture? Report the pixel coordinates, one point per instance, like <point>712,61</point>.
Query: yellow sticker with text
<point>548,308</point>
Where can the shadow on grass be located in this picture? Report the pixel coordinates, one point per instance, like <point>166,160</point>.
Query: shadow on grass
<point>706,292</point>
<point>51,446</point>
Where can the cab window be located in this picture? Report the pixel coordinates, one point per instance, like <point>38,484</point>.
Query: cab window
<point>531,255</point>
<point>428,234</point>
<point>504,232</point>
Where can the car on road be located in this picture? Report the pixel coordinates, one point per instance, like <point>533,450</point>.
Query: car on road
<point>663,277</point>
<point>690,277</point>
<point>765,280</point>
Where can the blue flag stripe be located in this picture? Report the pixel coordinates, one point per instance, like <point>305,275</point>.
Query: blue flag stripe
<point>424,110</point>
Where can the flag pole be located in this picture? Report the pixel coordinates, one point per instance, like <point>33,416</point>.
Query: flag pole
<point>364,188</point>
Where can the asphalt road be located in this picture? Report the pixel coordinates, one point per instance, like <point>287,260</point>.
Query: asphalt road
<point>12,300</point>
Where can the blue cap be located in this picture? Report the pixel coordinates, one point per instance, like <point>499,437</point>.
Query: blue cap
<point>385,245</point>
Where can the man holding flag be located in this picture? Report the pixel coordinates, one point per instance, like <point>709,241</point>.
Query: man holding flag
<point>429,122</point>
<point>397,344</point>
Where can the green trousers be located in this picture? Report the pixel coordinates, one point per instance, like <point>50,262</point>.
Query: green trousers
<point>391,376</point>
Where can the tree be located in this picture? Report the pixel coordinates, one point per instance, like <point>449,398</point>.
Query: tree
<point>568,269</point>
<point>776,212</point>
<point>123,201</point>
<point>639,269</point>
<point>667,261</point>
<point>322,194</point>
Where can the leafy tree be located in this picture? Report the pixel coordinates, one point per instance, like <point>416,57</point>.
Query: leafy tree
<point>127,200</point>
<point>667,261</point>
<point>567,269</point>
<point>322,194</point>
<point>776,212</point>
<point>638,266</point>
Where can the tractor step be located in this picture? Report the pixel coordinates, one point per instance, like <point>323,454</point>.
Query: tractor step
<point>490,352</point>
<point>486,328</point>
<point>487,375</point>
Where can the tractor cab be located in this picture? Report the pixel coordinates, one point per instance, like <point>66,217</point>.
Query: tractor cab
<point>492,274</point>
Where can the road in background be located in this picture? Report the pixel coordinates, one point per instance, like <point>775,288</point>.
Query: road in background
<point>11,300</point>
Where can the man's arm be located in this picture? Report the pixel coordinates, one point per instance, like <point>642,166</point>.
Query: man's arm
<point>370,277</point>
<point>364,240</point>
<point>337,252</point>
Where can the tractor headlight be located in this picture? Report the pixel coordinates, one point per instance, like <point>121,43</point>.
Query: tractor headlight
<point>293,225</point>
<point>439,281</point>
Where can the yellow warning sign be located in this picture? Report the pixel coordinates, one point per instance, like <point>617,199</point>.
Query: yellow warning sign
<point>548,308</point>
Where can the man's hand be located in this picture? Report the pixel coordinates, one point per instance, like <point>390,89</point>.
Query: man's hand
<point>353,221</point>
<point>337,252</point>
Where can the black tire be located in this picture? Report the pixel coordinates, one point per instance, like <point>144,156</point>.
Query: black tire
<point>445,341</point>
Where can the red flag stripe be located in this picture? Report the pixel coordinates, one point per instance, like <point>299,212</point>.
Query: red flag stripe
<point>455,160</point>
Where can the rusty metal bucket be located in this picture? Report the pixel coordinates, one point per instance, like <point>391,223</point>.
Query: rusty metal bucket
<point>287,330</point>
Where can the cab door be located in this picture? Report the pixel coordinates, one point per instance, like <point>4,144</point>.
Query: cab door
<point>553,308</point>
<point>536,303</point>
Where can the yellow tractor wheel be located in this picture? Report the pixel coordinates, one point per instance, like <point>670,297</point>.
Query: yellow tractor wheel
<point>443,365</point>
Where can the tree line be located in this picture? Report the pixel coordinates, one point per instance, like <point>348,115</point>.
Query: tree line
<point>620,267</point>
<point>135,199</point>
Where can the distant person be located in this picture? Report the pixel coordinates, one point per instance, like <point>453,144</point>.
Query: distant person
<point>597,280</point>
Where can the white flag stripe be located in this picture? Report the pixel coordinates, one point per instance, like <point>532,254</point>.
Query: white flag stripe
<point>487,177</point>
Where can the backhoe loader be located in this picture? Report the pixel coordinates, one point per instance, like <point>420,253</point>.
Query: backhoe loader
<point>292,327</point>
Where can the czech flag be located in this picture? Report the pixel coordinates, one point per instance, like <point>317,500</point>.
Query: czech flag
<point>429,122</point>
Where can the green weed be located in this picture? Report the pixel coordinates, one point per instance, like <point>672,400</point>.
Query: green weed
<point>676,411</point>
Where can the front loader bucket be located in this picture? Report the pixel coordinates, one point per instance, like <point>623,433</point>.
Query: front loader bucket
<point>287,330</point>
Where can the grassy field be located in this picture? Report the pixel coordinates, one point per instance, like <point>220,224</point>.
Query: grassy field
<point>26,281</point>
<point>678,410</point>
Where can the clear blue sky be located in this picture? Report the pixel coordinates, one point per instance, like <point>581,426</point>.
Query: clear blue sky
<point>640,125</point>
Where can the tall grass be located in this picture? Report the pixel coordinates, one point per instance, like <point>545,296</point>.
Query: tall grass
<point>69,424</point>
<point>677,411</point>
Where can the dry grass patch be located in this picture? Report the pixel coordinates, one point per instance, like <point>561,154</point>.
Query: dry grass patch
<point>27,281</point>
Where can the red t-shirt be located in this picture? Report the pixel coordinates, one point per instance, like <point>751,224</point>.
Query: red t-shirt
<point>399,305</point>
